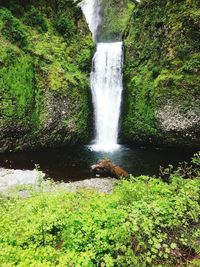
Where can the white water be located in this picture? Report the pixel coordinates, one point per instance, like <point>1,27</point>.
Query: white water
<point>106,83</point>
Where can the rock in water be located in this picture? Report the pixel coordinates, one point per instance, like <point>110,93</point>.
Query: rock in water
<point>108,169</point>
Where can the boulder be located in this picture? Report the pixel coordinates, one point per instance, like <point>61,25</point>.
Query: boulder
<point>106,168</point>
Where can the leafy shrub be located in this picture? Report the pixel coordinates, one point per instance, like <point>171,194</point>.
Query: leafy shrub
<point>13,29</point>
<point>64,25</point>
<point>185,170</point>
<point>36,19</point>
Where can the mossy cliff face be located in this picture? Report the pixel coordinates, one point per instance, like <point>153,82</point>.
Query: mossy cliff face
<point>161,73</point>
<point>115,18</point>
<point>45,57</point>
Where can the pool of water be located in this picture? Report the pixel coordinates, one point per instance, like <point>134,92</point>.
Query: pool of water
<point>73,163</point>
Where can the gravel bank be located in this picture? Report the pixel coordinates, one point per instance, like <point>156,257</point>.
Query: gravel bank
<point>10,179</point>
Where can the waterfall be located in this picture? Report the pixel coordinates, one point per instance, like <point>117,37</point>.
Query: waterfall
<point>106,82</point>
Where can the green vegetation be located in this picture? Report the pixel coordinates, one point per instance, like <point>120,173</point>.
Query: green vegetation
<point>12,29</point>
<point>144,222</point>
<point>45,58</point>
<point>64,26</point>
<point>162,60</point>
<point>36,19</point>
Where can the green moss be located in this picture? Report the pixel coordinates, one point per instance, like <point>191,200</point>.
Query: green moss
<point>116,16</point>
<point>139,106</point>
<point>17,88</point>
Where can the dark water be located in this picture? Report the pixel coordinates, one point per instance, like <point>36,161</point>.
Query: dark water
<point>73,163</point>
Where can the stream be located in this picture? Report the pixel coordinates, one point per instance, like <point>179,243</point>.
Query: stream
<point>73,163</point>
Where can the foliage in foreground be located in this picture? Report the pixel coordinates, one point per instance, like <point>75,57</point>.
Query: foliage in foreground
<point>144,222</point>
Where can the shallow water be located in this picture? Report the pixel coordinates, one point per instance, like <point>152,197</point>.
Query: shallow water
<point>73,163</point>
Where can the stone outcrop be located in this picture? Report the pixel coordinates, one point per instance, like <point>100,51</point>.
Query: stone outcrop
<point>172,120</point>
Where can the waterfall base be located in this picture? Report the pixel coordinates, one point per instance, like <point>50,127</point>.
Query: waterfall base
<point>104,147</point>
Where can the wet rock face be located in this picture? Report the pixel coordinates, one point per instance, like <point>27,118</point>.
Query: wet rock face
<point>172,120</point>
<point>60,117</point>
<point>106,168</point>
<point>62,120</point>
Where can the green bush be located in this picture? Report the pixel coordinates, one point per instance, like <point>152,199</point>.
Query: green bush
<point>13,30</point>
<point>36,19</point>
<point>64,25</point>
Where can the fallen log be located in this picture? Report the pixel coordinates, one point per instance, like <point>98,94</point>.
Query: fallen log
<point>106,168</point>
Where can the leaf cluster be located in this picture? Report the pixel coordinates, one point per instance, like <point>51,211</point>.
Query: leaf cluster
<point>13,30</point>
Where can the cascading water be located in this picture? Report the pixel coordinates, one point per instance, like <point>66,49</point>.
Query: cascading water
<point>106,82</point>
